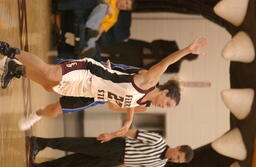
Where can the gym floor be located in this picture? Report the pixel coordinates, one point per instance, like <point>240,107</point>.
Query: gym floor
<point>18,27</point>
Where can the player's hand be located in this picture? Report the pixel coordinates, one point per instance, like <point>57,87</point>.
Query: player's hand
<point>104,137</point>
<point>197,45</point>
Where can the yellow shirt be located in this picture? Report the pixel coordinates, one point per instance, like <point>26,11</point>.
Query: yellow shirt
<point>110,19</point>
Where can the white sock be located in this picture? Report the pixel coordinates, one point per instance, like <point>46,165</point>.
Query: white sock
<point>27,122</point>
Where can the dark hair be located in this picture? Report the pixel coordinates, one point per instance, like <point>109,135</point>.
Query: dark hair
<point>173,88</point>
<point>189,153</point>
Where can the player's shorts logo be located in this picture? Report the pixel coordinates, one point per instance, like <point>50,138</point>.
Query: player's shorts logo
<point>71,64</point>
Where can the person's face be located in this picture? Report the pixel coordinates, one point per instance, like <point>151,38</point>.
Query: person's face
<point>163,101</point>
<point>124,4</point>
<point>177,156</point>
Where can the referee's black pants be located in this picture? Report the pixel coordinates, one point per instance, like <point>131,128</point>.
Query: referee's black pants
<point>88,152</point>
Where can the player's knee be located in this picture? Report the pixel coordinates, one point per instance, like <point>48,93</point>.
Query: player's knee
<point>48,88</point>
<point>55,110</point>
<point>52,75</point>
<point>46,73</point>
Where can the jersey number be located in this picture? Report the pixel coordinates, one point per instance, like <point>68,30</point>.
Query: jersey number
<point>119,100</point>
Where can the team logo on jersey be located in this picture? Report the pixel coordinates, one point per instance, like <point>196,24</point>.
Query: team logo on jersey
<point>72,64</point>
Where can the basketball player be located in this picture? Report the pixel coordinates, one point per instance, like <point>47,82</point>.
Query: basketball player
<point>88,78</point>
<point>67,104</point>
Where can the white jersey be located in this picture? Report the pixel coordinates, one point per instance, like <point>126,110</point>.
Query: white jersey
<point>89,78</point>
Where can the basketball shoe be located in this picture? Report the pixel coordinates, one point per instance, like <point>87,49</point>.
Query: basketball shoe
<point>7,50</point>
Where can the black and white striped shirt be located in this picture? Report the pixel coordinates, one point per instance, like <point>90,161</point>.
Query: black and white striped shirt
<point>146,150</point>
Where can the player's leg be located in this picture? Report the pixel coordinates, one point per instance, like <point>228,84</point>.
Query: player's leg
<point>63,105</point>
<point>51,111</point>
<point>45,74</point>
<point>12,68</point>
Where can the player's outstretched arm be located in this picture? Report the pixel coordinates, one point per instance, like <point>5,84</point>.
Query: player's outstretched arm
<point>152,76</point>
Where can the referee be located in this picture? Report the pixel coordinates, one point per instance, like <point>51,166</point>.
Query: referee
<point>139,148</point>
